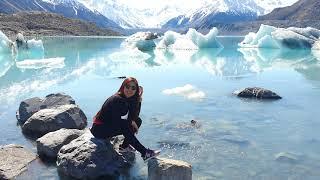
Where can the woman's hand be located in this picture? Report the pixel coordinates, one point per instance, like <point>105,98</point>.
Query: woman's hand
<point>134,127</point>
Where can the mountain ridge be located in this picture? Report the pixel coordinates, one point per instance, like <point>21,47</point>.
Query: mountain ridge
<point>35,23</point>
<point>68,8</point>
<point>303,9</point>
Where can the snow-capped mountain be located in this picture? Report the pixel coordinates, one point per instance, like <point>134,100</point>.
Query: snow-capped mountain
<point>68,8</point>
<point>165,13</point>
<point>130,17</point>
<point>177,14</point>
<point>269,5</point>
<point>217,11</point>
<point>225,11</point>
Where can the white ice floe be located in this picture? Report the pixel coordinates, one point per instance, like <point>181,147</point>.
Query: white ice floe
<point>41,63</point>
<point>204,41</point>
<point>316,49</point>
<point>188,91</point>
<point>33,49</point>
<point>6,44</point>
<point>278,38</point>
<point>192,40</point>
<point>141,40</point>
<point>6,61</point>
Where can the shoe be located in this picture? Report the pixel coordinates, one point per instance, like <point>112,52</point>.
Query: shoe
<point>127,149</point>
<point>150,154</point>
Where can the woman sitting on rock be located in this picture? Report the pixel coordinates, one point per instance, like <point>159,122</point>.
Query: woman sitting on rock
<point>119,115</point>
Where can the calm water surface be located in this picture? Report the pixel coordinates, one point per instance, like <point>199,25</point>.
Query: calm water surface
<point>237,138</point>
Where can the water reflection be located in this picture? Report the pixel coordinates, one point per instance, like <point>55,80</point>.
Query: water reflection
<point>303,61</point>
<point>81,56</point>
<point>231,141</point>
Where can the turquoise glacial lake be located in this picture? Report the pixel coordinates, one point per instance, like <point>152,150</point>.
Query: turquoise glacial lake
<point>236,138</point>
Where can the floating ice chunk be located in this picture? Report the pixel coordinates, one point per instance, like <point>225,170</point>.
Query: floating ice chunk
<point>272,37</point>
<point>316,45</point>
<point>188,91</point>
<point>36,45</point>
<point>6,44</point>
<point>141,40</point>
<point>6,61</point>
<point>204,41</point>
<point>32,50</point>
<point>252,39</point>
<point>316,49</point>
<point>308,32</point>
<point>291,39</point>
<point>41,63</point>
<point>268,42</point>
<point>168,39</point>
<point>193,40</point>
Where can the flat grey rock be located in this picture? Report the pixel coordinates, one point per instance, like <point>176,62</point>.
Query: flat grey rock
<point>14,159</point>
<point>168,169</point>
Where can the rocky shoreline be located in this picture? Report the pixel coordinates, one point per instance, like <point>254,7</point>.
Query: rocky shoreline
<point>59,127</point>
<point>49,24</point>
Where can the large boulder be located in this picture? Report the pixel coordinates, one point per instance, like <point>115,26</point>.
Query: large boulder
<point>47,120</point>
<point>14,160</point>
<point>88,158</point>
<point>49,145</point>
<point>257,92</point>
<point>168,169</point>
<point>30,106</point>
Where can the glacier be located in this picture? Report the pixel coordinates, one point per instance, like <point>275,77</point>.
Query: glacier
<point>278,38</point>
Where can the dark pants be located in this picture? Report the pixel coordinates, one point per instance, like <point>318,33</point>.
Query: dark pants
<point>122,128</point>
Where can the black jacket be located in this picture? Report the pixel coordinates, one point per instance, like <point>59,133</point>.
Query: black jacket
<point>117,108</point>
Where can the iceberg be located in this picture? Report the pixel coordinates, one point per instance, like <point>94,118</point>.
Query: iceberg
<point>33,49</point>
<point>279,38</point>
<point>6,45</point>
<point>316,49</point>
<point>141,40</point>
<point>204,41</point>
<point>192,40</point>
<point>6,61</point>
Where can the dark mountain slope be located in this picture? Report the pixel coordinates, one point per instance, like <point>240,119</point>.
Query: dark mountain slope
<point>301,10</point>
<point>70,9</point>
<point>44,23</point>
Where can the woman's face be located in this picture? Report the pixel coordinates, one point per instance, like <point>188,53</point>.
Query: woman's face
<point>130,89</point>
